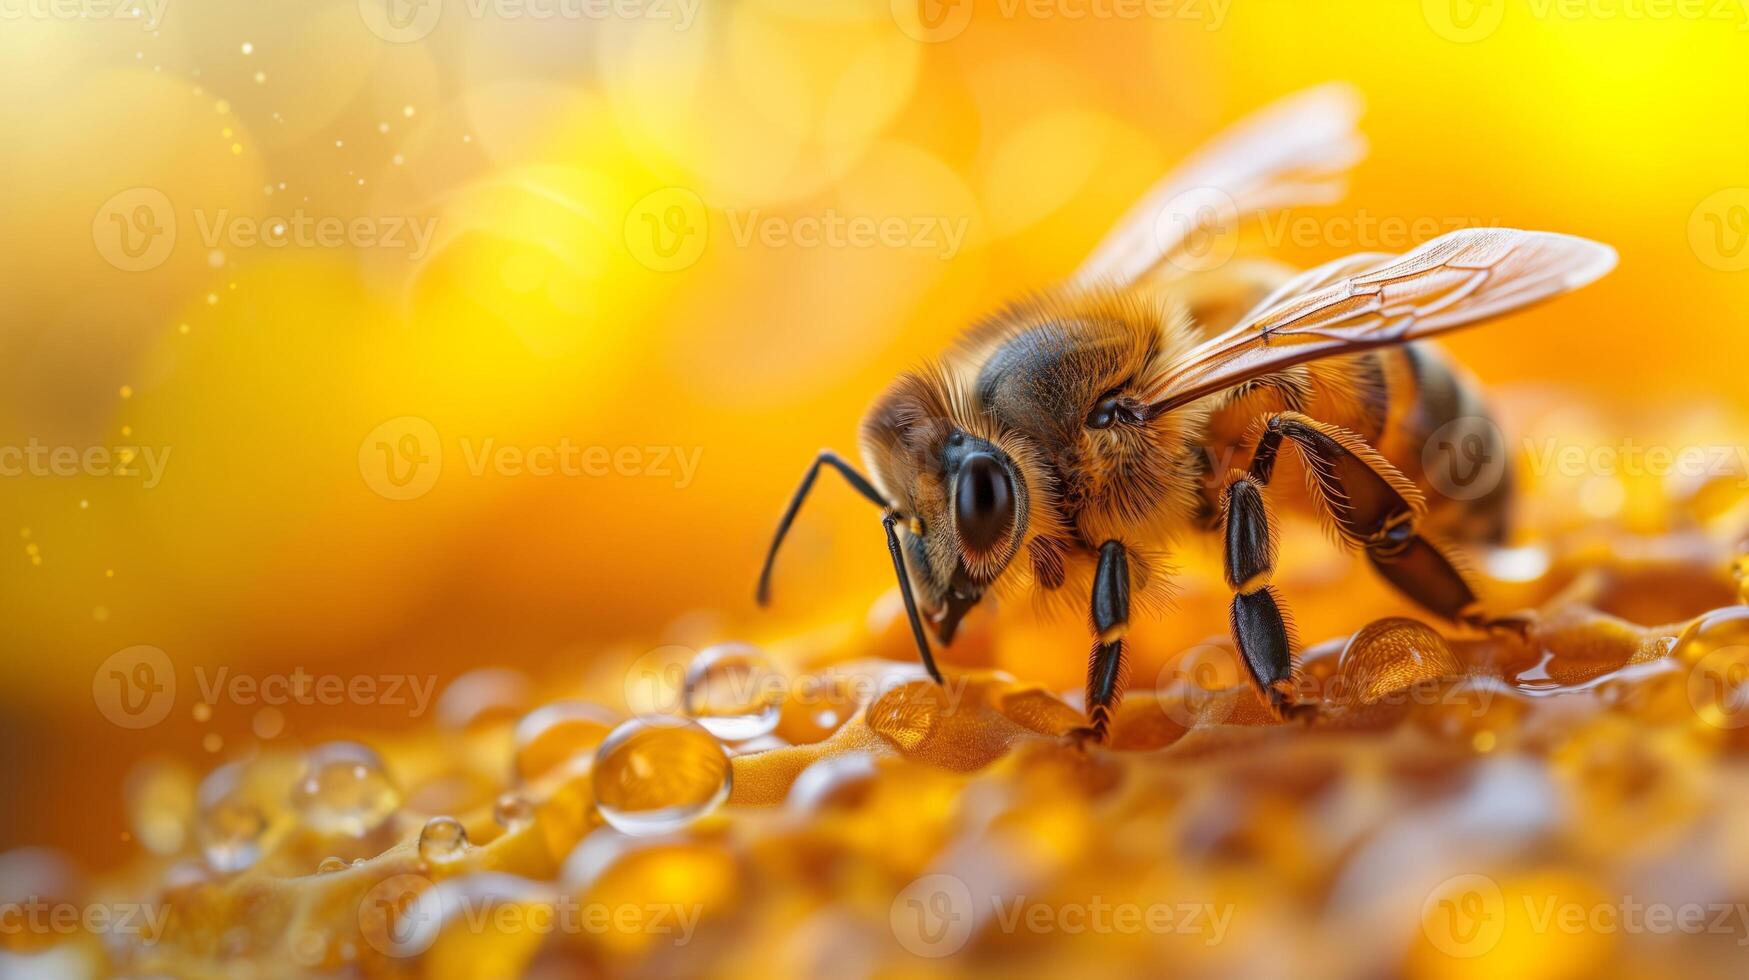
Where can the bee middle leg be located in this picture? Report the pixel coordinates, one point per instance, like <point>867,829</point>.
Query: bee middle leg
<point>1110,620</point>
<point>1261,630</point>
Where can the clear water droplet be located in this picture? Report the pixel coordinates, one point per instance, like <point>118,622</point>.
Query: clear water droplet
<point>558,740</point>
<point>657,775</point>
<point>331,864</point>
<point>230,835</point>
<point>344,791</point>
<point>229,824</point>
<point>512,812</point>
<point>443,839</point>
<point>733,690</point>
<point>161,806</point>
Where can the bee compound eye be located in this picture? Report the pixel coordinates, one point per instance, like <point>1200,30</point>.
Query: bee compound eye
<point>983,501</point>
<point>1106,413</point>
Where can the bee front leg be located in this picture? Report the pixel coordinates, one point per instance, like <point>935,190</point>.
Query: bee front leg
<point>1111,620</point>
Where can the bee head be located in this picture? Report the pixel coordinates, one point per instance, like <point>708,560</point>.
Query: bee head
<point>964,498</point>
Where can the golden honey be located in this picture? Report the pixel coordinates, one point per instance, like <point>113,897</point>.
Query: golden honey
<point>1540,805</point>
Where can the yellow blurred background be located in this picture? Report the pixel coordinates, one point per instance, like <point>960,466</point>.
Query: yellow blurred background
<point>592,234</point>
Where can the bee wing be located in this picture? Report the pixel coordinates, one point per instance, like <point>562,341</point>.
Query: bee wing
<point>1293,152</point>
<point>1452,281</point>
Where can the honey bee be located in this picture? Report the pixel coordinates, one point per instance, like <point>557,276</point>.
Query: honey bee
<point>1067,442</point>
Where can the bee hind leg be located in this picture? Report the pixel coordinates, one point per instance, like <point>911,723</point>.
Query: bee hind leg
<point>1377,509</point>
<point>1111,620</point>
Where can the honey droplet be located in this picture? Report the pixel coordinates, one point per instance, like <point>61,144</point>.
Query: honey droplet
<point>161,806</point>
<point>656,775</point>
<point>1711,632</point>
<point>907,716</point>
<point>229,825</point>
<point>842,780</point>
<point>559,740</point>
<point>1390,655</point>
<point>344,791</point>
<point>443,839</point>
<point>512,812</point>
<point>481,697</point>
<point>1040,711</point>
<point>230,835</point>
<point>818,707</point>
<point>733,691</point>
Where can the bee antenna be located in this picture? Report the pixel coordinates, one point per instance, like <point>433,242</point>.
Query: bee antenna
<point>888,520</point>
<point>857,481</point>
